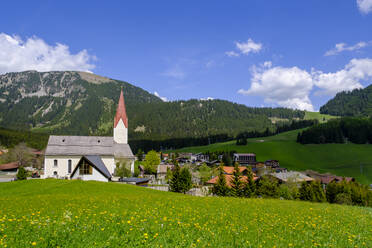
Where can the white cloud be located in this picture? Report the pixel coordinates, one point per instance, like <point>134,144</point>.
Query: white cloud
<point>248,47</point>
<point>35,54</point>
<point>340,47</point>
<point>287,87</point>
<point>163,98</point>
<point>291,86</point>
<point>232,54</point>
<point>206,99</point>
<point>365,6</point>
<point>346,79</point>
<point>245,48</point>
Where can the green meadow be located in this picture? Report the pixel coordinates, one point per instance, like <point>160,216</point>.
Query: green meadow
<point>64,213</point>
<point>318,116</point>
<point>350,160</point>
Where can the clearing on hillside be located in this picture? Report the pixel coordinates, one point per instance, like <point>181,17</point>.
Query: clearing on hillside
<point>64,213</point>
<point>318,116</point>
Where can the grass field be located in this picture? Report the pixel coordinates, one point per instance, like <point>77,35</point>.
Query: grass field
<point>318,116</point>
<point>341,159</point>
<point>61,213</point>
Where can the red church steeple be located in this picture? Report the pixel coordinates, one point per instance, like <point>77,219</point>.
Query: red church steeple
<point>121,112</point>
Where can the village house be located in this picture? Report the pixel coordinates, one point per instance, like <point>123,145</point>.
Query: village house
<point>199,157</point>
<point>228,172</point>
<point>291,176</point>
<point>328,178</point>
<point>90,157</point>
<point>272,163</point>
<point>162,170</point>
<point>245,158</point>
<point>9,167</point>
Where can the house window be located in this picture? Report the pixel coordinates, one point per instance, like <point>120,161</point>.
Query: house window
<point>85,168</point>
<point>55,162</point>
<point>69,166</point>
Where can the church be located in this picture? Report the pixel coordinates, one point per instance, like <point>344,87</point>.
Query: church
<point>90,157</point>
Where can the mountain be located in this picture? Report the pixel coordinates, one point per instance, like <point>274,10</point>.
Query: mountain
<point>80,103</point>
<point>352,103</point>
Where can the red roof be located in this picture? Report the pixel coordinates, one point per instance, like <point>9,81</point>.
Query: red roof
<point>121,112</point>
<point>230,169</point>
<point>328,179</point>
<point>229,178</point>
<point>9,166</point>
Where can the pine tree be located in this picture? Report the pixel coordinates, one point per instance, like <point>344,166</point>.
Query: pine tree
<point>249,186</point>
<point>140,154</point>
<point>185,181</point>
<point>221,188</point>
<point>174,185</point>
<point>267,187</point>
<point>236,182</point>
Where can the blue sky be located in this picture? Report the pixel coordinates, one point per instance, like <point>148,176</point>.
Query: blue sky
<point>294,54</point>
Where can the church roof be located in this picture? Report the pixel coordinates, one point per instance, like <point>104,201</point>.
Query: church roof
<point>86,145</point>
<point>121,113</point>
<point>96,162</point>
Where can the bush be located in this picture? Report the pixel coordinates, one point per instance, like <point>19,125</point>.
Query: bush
<point>122,170</point>
<point>151,163</point>
<point>21,174</point>
<point>344,199</point>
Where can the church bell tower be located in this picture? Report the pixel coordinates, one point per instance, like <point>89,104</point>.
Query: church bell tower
<point>121,122</point>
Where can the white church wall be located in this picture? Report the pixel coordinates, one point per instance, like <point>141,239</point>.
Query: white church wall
<point>121,133</point>
<point>62,165</point>
<point>110,163</point>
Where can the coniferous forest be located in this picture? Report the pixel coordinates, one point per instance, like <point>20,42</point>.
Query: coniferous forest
<point>353,103</point>
<point>347,129</point>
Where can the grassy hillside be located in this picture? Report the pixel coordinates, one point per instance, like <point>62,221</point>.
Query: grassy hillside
<point>341,159</point>
<point>56,213</point>
<point>318,116</point>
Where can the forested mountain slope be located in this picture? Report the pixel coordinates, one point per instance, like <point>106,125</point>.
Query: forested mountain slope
<point>353,103</point>
<point>79,103</point>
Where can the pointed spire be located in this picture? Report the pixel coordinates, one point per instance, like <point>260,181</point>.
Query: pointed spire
<point>120,111</point>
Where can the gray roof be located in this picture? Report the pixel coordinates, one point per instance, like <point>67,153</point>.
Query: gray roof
<point>87,145</point>
<point>97,161</point>
<point>294,176</point>
<point>135,180</point>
